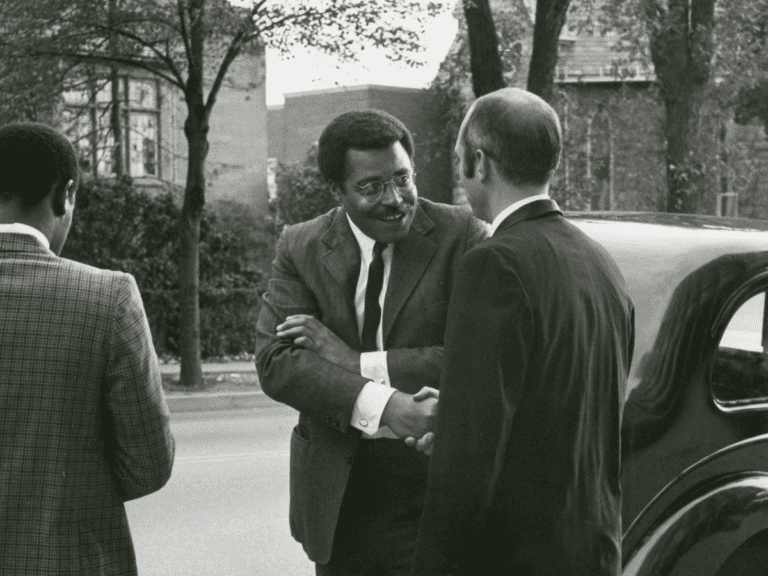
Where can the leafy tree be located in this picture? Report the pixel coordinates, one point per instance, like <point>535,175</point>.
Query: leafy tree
<point>678,35</point>
<point>741,60</point>
<point>484,59</point>
<point>550,19</point>
<point>191,44</point>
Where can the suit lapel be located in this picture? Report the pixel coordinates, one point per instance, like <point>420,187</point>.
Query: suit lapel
<point>342,259</point>
<point>410,259</point>
<point>530,211</point>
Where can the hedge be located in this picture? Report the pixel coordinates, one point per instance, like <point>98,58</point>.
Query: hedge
<point>119,227</point>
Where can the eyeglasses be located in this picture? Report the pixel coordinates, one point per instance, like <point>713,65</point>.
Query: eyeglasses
<point>373,191</point>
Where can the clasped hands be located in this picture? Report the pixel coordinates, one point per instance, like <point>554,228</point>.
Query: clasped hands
<point>410,417</point>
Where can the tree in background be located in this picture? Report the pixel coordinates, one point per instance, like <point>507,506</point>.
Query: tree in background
<point>484,59</point>
<point>679,37</point>
<point>191,44</point>
<point>741,60</point>
<point>550,19</point>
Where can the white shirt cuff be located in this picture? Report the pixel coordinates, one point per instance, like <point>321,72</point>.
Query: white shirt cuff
<point>373,365</point>
<point>369,406</point>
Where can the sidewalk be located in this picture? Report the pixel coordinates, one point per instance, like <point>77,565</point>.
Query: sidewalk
<point>183,401</point>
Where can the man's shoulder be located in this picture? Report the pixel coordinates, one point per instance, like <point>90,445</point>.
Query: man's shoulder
<point>445,214</point>
<point>314,227</point>
<point>445,221</point>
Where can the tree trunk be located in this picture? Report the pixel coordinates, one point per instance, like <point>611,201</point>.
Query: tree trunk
<point>484,58</point>
<point>550,19</point>
<point>196,131</point>
<point>681,42</point>
<point>684,169</point>
<point>115,113</point>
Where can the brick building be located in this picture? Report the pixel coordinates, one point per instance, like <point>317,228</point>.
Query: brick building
<point>154,145</point>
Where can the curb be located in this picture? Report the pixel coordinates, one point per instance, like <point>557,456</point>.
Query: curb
<point>218,401</point>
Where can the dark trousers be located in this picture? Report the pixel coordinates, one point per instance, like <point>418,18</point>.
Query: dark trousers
<point>379,518</point>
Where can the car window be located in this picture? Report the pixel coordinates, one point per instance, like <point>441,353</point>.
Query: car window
<point>740,368</point>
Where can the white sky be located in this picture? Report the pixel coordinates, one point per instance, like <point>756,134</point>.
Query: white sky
<point>313,71</point>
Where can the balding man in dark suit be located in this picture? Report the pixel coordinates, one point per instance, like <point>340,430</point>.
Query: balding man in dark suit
<point>524,478</point>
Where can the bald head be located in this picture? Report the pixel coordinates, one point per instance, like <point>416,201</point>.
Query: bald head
<point>516,129</point>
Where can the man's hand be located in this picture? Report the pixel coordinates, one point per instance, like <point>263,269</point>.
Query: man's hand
<point>426,442</point>
<point>308,332</point>
<point>408,417</point>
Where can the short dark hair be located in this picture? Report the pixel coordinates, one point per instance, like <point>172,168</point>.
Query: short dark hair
<point>358,130</point>
<point>34,160</point>
<point>518,130</point>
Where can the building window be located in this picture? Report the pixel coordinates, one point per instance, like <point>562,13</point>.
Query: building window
<point>87,118</point>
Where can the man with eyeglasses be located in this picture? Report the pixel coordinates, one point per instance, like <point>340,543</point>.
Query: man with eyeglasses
<point>350,334</point>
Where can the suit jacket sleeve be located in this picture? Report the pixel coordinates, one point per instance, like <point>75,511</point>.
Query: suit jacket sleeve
<point>412,368</point>
<point>288,373</point>
<point>137,435</point>
<point>489,311</point>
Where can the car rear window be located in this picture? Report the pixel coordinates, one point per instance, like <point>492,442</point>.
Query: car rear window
<point>739,376</point>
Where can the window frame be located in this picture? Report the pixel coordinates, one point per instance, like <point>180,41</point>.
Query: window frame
<point>91,109</point>
<point>754,286</point>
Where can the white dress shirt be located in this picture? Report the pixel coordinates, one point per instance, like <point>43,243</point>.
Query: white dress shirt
<point>18,228</point>
<point>373,398</point>
<point>512,207</point>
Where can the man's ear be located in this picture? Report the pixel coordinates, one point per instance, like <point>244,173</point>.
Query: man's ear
<point>62,196</point>
<point>482,165</point>
<point>336,192</point>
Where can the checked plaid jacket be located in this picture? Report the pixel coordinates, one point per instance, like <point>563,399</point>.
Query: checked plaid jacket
<point>84,426</point>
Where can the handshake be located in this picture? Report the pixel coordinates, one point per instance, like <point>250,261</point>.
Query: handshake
<point>412,417</point>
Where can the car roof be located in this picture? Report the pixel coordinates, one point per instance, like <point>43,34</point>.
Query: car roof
<point>656,252</point>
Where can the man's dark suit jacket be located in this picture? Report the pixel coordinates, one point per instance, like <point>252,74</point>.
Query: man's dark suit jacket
<point>315,272</point>
<point>83,422</point>
<point>524,478</point>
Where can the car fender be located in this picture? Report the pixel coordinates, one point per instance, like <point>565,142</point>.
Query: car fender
<point>701,519</point>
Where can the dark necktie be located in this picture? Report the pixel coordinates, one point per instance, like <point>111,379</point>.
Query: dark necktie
<point>372,316</point>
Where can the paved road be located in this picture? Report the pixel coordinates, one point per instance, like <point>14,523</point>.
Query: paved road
<point>224,511</point>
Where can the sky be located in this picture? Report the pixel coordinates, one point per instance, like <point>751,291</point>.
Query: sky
<point>308,70</point>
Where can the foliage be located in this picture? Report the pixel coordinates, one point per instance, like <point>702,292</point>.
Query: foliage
<point>119,227</point>
<point>742,60</point>
<point>302,194</point>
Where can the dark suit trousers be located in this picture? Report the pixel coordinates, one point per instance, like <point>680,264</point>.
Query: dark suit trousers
<point>379,518</point>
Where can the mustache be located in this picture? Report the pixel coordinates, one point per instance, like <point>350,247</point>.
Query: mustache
<point>401,208</point>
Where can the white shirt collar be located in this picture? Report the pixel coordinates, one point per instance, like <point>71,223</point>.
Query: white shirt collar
<point>365,243</point>
<point>512,207</point>
<point>18,228</point>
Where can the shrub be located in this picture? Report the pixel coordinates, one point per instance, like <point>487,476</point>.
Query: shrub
<point>302,194</point>
<point>119,227</point>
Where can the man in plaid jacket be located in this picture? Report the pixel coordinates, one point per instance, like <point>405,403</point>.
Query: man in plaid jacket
<point>84,426</point>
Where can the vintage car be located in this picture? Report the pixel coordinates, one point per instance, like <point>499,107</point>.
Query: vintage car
<point>694,442</point>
